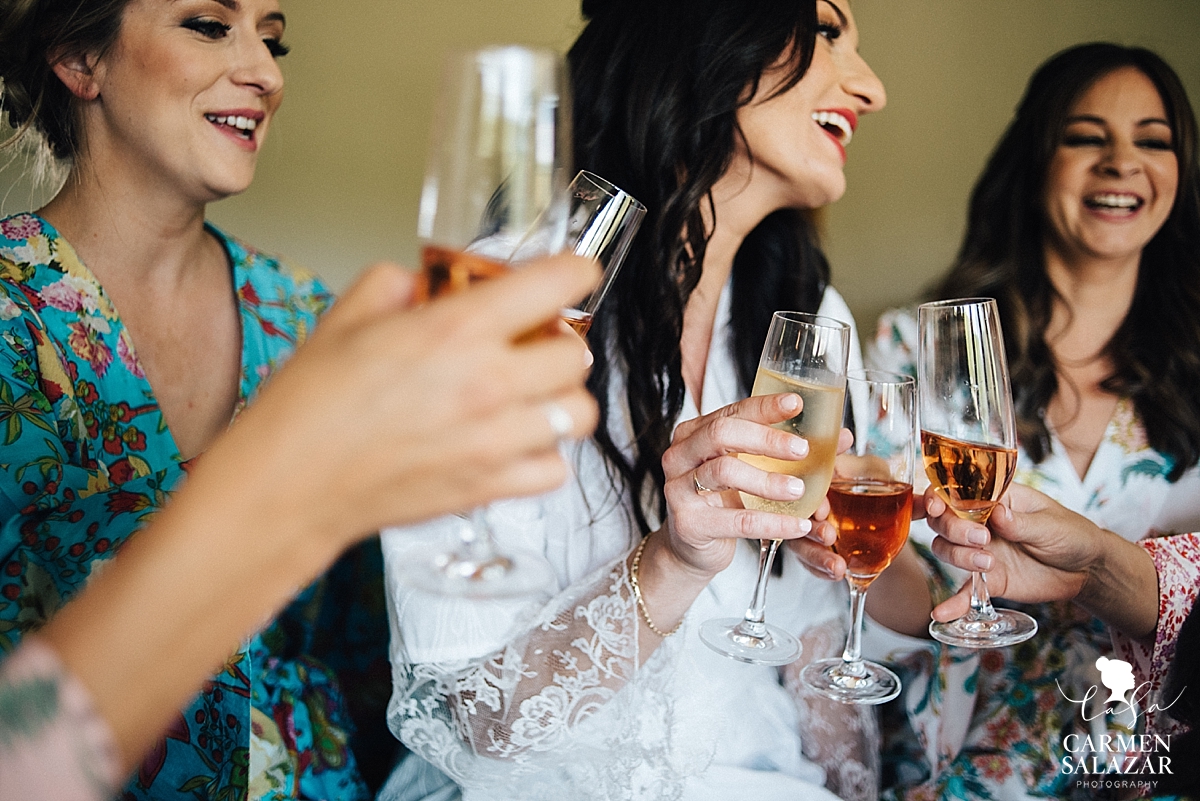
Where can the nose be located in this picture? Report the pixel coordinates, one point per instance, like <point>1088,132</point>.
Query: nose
<point>256,68</point>
<point>862,82</point>
<point>1121,158</point>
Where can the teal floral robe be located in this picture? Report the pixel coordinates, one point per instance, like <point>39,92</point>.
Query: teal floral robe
<point>86,458</point>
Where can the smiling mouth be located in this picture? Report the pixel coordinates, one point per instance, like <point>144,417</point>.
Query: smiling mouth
<point>835,124</point>
<point>1114,202</point>
<point>240,126</point>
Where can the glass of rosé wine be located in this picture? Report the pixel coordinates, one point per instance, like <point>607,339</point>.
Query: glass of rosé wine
<point>870,506</point>
<point>498,168</point>
<point>969,442</point>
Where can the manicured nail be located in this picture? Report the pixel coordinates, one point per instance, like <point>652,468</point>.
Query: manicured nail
<point>982,561</point>
<point>799,447</point>
<point>827,572</point>
<point>805,525</point>
<point>795,486</point>
<point>977,536</point>
<point>790,403</point>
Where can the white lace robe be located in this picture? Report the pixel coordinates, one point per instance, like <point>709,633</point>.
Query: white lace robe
<point>544,698</point>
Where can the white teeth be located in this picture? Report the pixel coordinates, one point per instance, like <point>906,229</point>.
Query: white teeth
<point>241,123</point>
<point>832,118</point>
<point>1114,200</point>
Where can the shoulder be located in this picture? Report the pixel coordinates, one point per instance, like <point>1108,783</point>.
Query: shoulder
<point>264,278</point>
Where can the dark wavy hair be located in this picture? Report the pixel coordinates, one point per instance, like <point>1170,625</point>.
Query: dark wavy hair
<point>33,34</point>
<point>657,88</point>
<point>1155,352</point>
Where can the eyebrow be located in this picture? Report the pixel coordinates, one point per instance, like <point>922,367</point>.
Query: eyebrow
<point>830,3</point>
<point>274,16</point>
<point>1101,121</point>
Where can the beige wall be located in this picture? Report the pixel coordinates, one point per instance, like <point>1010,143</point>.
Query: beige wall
<point>339,178</point>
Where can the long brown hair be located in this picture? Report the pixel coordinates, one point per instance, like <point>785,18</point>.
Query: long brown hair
<point>1155,352</point>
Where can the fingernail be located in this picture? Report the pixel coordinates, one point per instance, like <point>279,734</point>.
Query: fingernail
<point>982,561</point>
<point>795,486</point>
<point>977,536</point>
<point>827,573</point>
<point>805,525</point>
<point>588,358</point>
<point>790,403</point>
<point>799,446</point>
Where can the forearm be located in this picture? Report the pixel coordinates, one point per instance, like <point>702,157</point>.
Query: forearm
<point>1121,587</point>
<point>211,567</point>
<point>900,598</point>
<point>668,591</point>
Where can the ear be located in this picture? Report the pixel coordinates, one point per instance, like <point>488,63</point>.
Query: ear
<point>78,72</point>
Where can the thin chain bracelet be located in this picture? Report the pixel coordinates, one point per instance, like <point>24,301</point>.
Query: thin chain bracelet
<point>637,593</point>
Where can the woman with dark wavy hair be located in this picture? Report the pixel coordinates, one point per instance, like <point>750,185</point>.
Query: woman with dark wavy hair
<point>728,120</point>
<point>1085,227</point>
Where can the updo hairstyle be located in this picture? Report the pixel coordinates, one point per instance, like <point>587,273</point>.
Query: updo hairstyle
<point>33,35</point>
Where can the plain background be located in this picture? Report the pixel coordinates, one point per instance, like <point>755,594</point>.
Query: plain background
<point>339,177</point>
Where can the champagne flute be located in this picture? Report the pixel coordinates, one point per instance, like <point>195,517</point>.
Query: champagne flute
<point>969,443</point>
<point>807,355</point>
<point>870,500</point>
<point>500,155</point>
<point>602,220</point>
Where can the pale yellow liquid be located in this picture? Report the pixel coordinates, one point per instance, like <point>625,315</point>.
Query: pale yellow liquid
<point>819,422</point>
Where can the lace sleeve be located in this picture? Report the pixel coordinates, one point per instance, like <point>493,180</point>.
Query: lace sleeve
<point>842,738</point>
<point>556,699</point>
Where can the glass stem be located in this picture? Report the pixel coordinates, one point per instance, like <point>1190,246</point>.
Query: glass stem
<point>852,653</point>
<point>475,537</point>
<point>753,625</point>
<point>981,601</point>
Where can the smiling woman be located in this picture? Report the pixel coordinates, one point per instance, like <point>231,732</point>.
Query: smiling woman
<point>132,335</point>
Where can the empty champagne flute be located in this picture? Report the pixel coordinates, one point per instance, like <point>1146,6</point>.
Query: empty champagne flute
<point>969,442</point>
<point>500,154</point>
<point>805,354</point>
<point>870,502</point>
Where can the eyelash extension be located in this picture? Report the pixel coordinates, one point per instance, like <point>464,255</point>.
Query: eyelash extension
<point>207,27</point>
<point>277,48</point>
<point>1155,144</point>
<point>1082,140</point>
<point>829,30</point>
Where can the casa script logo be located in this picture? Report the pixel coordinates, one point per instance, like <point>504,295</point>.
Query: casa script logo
<point>1112,760</point>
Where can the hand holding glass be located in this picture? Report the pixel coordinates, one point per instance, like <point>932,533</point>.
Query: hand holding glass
<point>969,443</point>
<point>807,355</point>
<point>870,500</point>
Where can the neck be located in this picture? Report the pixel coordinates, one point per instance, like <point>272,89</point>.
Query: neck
<point>1094,298</point>
<point>127,232</point>
<point>738,207</point>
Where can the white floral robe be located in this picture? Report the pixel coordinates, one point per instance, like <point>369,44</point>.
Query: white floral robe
<point>991,724</point>
<point>544,699</point>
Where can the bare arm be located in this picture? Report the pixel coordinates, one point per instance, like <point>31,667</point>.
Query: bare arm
<point>261,516</point>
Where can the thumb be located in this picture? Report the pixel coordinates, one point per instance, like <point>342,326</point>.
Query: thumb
<point>380,289</point>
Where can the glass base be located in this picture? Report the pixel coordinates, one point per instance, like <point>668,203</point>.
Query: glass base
<point>759,644</point>
<point>498,575</point>
<point>833,679</point>
<point>1006,627</point>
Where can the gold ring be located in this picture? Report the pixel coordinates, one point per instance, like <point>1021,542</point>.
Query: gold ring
<point>700,488</point>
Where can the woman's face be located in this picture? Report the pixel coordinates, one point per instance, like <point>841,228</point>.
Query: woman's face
<point>187,92</point>
<point>1112,181</point>
<point>798,139</point>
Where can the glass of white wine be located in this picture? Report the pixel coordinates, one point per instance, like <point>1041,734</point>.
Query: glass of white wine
<point>969,443</point>
<point>805,354</point>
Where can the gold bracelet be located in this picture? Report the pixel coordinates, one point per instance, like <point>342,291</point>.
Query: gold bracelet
<point>637,593</point>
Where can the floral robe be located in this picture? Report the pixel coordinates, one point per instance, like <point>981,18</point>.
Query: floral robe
<point>991,724</point>
<point>86,458</point>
